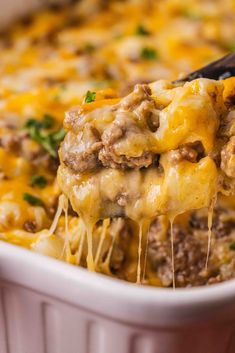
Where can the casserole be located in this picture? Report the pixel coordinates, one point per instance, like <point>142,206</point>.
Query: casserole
<point>57,308</point>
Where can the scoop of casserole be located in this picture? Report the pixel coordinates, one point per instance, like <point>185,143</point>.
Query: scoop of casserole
<point>163,149</point>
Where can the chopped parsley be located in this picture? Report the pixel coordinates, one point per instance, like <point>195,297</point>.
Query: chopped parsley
<point>90,97</point>
<point>141,31</point>
<point>32,200</point>
<point>38,181</point>
<point>48,140</point>
<point>33,123</point>
<point>148,53</point>
<point>46,123</point>
<point>232,246</point>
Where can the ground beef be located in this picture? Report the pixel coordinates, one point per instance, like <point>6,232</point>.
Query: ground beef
<point>139,103</point>
<point>139,94</point>
<point>19,142</point>
<point>191,152</point>
<point>12,139</point>
<point>122,128</point>
<point>220,227</point>
<point>83,162</point>
<point>86,151</point>
<point>82,157</point>
<point>189,259</point>
<point>228,158</point>
<point>225,273</point>
<point>121,231</point>
<point>109,159</point>
<point>114,132</point>
<point>72,118</point>
<point>117,259</point>
<point>190,249</point>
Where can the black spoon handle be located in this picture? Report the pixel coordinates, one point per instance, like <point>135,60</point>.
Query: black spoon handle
<point>217,70</point>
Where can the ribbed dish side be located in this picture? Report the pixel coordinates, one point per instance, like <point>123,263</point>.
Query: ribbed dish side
<point>31,322</point>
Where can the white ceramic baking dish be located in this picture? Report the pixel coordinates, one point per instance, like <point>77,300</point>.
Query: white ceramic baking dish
<point>47,306</point>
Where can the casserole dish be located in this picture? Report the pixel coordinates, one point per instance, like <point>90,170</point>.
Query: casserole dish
<point>50,307</point>
<point>47,306</point>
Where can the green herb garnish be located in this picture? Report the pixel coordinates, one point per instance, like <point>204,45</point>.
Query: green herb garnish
<point>90,97</point>
<point>148,53</point>
<point>232,246</point>
<point>141,31</point>
<point>48,140</point>
<point>48,121</point>
<point>39,181</point>
<point>33,123</point>
<point>42,139</point>
<point>32,200</point>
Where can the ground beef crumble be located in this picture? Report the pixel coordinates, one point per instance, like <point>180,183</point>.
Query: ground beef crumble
<point>88,151</point>
<point>228,158</point>
<point>189,259</point>
<point>190,250</point>
<point>191,152</point>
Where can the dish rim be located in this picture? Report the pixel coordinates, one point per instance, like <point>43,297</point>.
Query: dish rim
<point>116,299</point>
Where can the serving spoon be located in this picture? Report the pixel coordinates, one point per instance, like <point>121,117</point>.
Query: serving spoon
<point>216,70</point>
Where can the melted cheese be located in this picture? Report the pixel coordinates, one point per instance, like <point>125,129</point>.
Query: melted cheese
<point>47,66</point>
<point>192,113</point>
<point>209,222</point>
